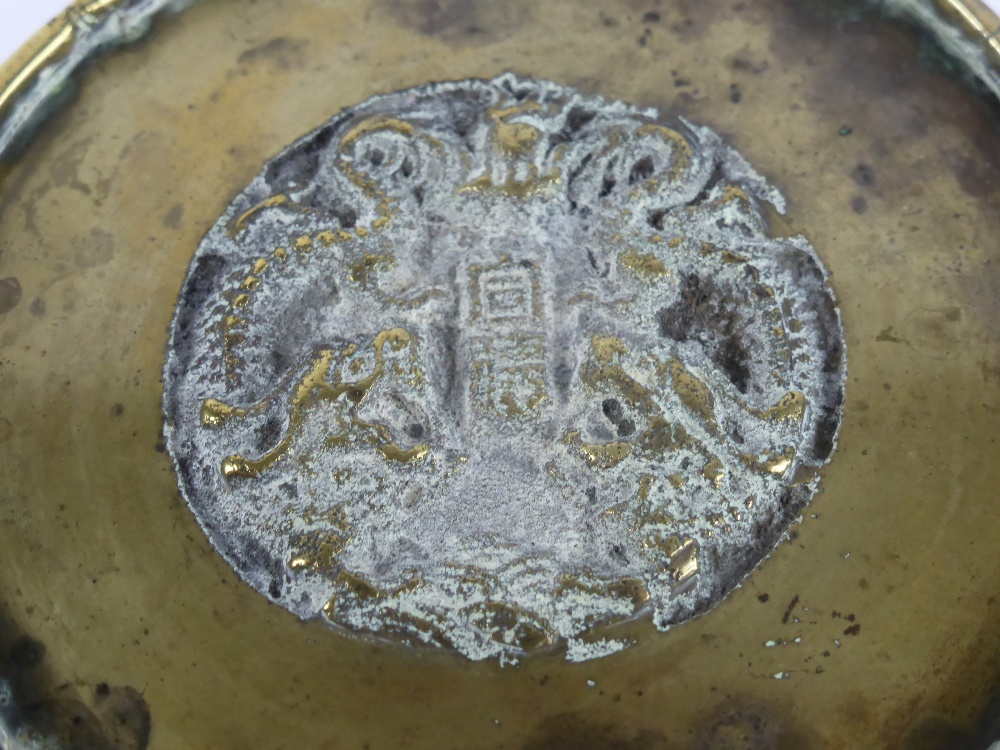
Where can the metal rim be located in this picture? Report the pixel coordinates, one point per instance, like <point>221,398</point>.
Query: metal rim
<point>49,45</point>
<point>52,43</point>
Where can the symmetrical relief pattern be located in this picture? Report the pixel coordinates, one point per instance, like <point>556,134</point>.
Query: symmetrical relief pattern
<point>489,365</point>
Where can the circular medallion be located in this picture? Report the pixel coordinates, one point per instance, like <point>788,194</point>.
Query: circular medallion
<point>489,364</point>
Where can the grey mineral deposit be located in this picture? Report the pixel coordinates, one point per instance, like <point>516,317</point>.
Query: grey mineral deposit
<point>488,364</point>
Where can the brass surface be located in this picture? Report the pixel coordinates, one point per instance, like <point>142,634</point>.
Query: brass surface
<point>101,561</point>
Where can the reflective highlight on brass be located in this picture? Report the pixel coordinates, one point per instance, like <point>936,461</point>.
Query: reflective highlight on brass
<point>29,93</point>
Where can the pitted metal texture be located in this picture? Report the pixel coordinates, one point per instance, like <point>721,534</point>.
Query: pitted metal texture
<point>488,365</point>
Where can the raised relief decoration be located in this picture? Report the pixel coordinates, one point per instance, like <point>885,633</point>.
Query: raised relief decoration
<point>490,365</point>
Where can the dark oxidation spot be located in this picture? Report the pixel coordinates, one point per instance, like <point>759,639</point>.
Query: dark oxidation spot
<point>859,204</point>
<point>120,719</point>
<point>710,314</point>
<point>938,733</point>
<point>763,598</point>
<point>989,722</point>
<point>889,335</point>
<point>124,716</point>
<point>96,249</point>
<point>174,217</point>
<point>281,52</point>
<point>863,174</point>
<point>613,410</point>
<point>460,22</point>
<point>689,19</point>
<point>117,410</point>
<point>976,177</point>
<point>738,725</point>
<point>788,612</point>
<point>575,732</point>
<point>10,294</point>
<point>876,59</point>
<point>26,653</point>
<point>37,307</point>
<point>37,710</point>
<point>742,64</point>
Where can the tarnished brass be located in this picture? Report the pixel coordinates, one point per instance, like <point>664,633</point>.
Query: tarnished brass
<point>881,612</point>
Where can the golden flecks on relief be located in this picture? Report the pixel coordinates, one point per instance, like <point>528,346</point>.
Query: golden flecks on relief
<point>489,365</point>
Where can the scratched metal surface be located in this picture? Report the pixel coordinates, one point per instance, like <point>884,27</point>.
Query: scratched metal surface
<point>874,627</point>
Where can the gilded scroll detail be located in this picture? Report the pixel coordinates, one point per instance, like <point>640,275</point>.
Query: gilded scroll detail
<point>486,365</point>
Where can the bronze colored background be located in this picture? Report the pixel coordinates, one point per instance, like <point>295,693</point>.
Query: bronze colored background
<point>890,166</point>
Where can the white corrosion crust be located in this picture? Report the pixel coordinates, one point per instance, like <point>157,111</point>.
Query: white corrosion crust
<point>88,35</point>
<point>490,365</point>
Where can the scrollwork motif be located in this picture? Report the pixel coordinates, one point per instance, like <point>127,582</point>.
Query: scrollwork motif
<point>486,365</point>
